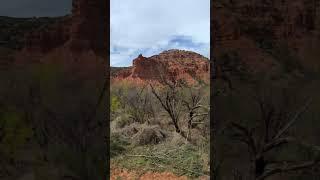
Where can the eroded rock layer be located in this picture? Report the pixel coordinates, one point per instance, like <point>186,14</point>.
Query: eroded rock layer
<point>257,30</point>
<point>84,30</point>
<point>169,65</point>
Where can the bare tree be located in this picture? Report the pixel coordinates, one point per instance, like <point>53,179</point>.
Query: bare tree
<point>174,102</point>
<point>275,124</point>
<point>169,96</point>
<point>171,101</point>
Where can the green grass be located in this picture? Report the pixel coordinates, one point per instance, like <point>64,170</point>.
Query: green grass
<point>118,145</point>
<point>119,178</point>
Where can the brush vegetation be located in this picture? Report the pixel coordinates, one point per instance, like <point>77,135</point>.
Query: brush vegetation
<point>160,128</point>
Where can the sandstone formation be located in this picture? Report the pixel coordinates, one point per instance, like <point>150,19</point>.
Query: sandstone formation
<point>285,19</point>
<point>169,65</point>
<point>254,29</point>
<point>47,38</point>
<point>83,31</point>
<point>89,25</point>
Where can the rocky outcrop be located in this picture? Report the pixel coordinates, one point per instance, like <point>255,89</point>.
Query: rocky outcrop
<point>169,65</point>
<point>47,38</point>
<point>284,19</point>
<point>77,43</point>
<point>254,29</point>
<point>89,25</point>
<point>84,30</point>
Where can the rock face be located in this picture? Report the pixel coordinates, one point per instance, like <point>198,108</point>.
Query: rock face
<point>85,29</point>
<point>77,42</point>
<point>283,19</point>
<point>89,25</point>
<point>168,65</point>
<point>45,39</point>
<point>255,28</point>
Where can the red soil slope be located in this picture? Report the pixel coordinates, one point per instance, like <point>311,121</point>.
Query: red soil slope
<point>131,175</point>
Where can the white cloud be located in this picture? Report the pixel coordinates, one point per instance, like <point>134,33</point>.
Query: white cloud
<point>148,25</point>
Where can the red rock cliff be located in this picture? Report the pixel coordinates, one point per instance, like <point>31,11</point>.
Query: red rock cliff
<point>89,25</point>
<point>254,28</point>
<point>169,65</point>
<point>78,42</point>
<point>85,29</point>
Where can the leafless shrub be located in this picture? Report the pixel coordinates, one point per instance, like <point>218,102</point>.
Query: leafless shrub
<point>196,109</point>
<point>140,107</point>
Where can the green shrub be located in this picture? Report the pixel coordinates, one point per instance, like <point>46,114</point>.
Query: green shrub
<point>117,145</point>
<point>115,104</point>
<point>15,132</point>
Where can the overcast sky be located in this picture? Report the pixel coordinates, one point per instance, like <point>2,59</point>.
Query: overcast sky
<point>30,8</point>
<point>149,27</point>
<point>140,26</point>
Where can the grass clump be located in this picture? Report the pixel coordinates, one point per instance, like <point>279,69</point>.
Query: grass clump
<point>117,145</point>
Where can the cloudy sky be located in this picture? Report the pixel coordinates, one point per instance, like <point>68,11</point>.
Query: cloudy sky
<point>30,8</point>
<point>141,26</point>
<point>149,27</point>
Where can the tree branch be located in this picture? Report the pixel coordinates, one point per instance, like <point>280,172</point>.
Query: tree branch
<point>287,168</point>
<point>290,123</point>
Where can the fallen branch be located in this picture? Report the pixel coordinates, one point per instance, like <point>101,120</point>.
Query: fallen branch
<point>140,155</point>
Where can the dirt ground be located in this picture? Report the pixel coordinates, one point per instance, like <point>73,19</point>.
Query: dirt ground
<point>122,174</point>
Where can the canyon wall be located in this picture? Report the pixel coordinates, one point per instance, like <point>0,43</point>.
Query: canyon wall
<point>255,29</point>
<point>84,29</point>
<point>170,65</point>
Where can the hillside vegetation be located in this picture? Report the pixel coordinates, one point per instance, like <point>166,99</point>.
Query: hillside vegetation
<point>12,30</point>
<point>160,128</point>
<point>266,91</point>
